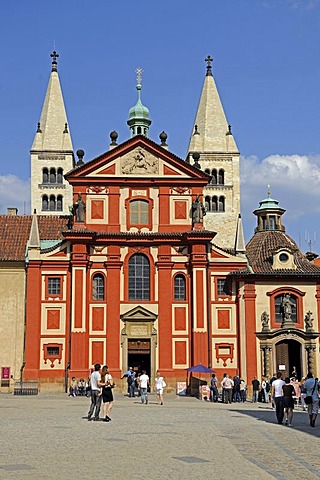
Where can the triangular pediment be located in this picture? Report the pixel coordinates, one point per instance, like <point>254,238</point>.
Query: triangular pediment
<point>139,314</point>
<point>138,157</point>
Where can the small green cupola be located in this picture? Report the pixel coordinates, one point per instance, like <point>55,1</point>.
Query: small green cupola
<point>269,215</point>
<point>139,120</point>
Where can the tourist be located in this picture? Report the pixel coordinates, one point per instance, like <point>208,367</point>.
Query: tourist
<point>159,386</point>
<point>223,389</point>
<point>144,384</point>
<point>107,395</point>
<point>81,386</point>
<point>96,384</point>
<point>294,373</point>
<point>236,389</point>
<point>288,393</point>
<point>255,389</point>
<point>227,386</point>
<point>303,393</point>
<point>311,386</point>
<point>272,379</point>
<point>276,393</point>
<point>243,390</point>
<point>131,383</point>
<point>73,389</point>
<point>264,391</point>
<point>214,394</point>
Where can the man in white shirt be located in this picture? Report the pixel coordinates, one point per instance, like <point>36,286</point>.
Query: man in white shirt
<point>144,384</point>
<point>227,384</point>
<point>95,382</point>
<point>276,394</point>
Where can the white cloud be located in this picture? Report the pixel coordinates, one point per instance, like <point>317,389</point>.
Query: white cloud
<point>303,4</point>
<point>14,192</point>
<point>295,183</point>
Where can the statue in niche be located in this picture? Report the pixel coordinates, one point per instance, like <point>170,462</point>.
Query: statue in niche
<point>265,319</point>
<point>79,208</point>
<point>308,321</point>
<point>198,211</point>
<point>287,306</point>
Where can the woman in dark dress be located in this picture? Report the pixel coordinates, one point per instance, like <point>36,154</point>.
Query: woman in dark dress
<point>288,393</point>
<point>107,396</point>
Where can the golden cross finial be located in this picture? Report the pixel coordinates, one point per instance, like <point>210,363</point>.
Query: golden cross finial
<point>139,73</point>
<point>269,192</point>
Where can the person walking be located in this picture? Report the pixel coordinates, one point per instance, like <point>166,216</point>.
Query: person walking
<point>276,394</point>
<point>159,386</point>
<point>107,395</point>
<point>311,387</point>
<point>144,384</point>
<point>243,390</point>
<point>255,389</point>
<point>96,384</point>
<point>288,393</point>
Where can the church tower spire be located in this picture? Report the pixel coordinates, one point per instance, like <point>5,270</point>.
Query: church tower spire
<point>52,152</point>
<point>139,121</point>
<point>212,138</point>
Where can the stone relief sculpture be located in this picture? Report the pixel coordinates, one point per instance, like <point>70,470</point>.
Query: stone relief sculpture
<point>287,306</point>
<point>139,162</point>
<point>265,319</point>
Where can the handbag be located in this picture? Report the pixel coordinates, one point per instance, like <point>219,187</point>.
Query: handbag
<point>163,384</point>
<point>308,399</point>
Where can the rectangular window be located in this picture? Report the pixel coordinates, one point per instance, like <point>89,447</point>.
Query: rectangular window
<point>139,212</point>
<point>54,286</point>
<point>53,351</point>
<point>222,287</point>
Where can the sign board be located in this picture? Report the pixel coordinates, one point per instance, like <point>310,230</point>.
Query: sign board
<point>5,373</point>
<point>182,388</point>
<point>282,367</point>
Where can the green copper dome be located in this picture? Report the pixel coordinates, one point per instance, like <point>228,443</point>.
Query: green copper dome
<point>139,120</point>
<point>268,203</point>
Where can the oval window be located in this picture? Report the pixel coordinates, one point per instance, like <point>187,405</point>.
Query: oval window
<point>283,257</point>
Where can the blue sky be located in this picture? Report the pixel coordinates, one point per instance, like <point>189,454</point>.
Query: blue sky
<point>266,66</point>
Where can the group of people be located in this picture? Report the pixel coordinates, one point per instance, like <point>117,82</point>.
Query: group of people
<point>232,389</point>
<point>141,383</point>
<point>80,387</point>
<point>283,394</point>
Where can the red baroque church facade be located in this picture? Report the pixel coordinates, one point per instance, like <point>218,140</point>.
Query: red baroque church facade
<point>136,280</point>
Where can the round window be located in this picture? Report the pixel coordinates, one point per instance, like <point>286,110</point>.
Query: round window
<point>283,257</point>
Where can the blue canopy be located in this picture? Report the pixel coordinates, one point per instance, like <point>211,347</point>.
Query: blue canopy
<point>200,369</point>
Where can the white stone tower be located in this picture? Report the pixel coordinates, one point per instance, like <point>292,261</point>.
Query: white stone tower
<point>52,153</point>
<point>219,156</point>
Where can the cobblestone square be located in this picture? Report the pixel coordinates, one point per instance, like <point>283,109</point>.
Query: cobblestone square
<point>45,437</point>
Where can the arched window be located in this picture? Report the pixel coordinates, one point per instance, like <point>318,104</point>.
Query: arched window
<point>45,175</point>
<point>214,204</point>
<point>221,204</point>
<point>139,277</point>
<point>98,287</point>
<point>139,212</point>
<point>45,203</point>
<point>214,177</point>
<point>280,307</point>
<point>52,175</point>
<point>179,287</point>
<point>139,130</point>
<point>59,203</point>
<point>60,175</point>
<point>52,205</point>
<point>221,177</point>
<point>207,204</point>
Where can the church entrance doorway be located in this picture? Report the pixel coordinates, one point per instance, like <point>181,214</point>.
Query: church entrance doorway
<point>139,355</point>
<point>288,355</point>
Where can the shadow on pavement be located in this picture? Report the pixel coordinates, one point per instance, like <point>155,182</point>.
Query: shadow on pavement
<point>300,419</point>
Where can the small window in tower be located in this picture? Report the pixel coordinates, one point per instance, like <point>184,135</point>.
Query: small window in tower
<point>214,205</point>
<point>221,177</point>
<point>179,287</point>
<point>139,130</point>
<point>214,177</point>
<point>98,287</point>
<point>272,223</point>
<point>45,203</point>
<point>60,175</point>
<point>45,176</point>
<point>52,175</point>
<point>207,202</point>
<point>52,203</point>
<point>221,204</point>
<point>59,203</point>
